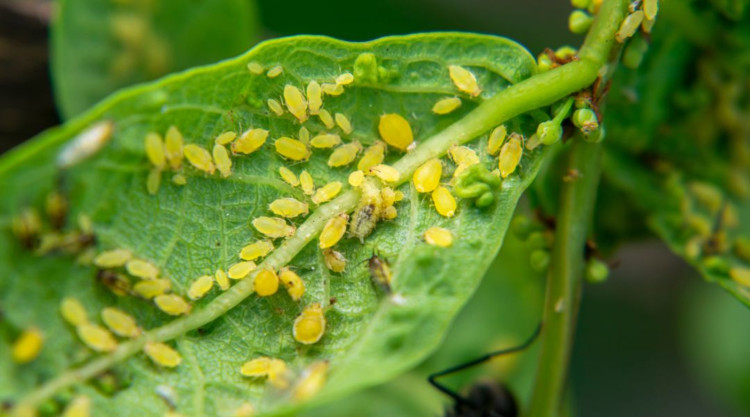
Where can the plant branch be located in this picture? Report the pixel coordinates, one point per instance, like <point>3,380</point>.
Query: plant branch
<point>538,91</point>
<point>567,263</point>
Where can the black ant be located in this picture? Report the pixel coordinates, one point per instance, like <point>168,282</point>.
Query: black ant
<point>485,398</point>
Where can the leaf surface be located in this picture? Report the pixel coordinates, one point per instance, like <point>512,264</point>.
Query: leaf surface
<point>191,230</point>
<point>101,46</point>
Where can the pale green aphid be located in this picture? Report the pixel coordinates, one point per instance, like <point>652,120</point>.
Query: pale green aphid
<point>275,71</point>
<point>288,207</point>
<point>255,68</point>
<point>222,280</point>
<point>326,192</point>
<point>344,123</point>
<point>295,102</point>
<point>326,118</point>
<point>96,337</point>
<point>73,311</point>
<point>153,181</point>
<point>222,160</point>
<point>288,176</point>
<point>446,105</point>
<point>114,258</point>
<point>149,289</point>
<point>225,138</point>
<point>241,269</point>
<point>200,287</point>
<point>314,97</point>
<point>332,89</point>
<point>629,26</point>
<point>325,141</point>
<point>172,304</point>
<point>275,107</point>
<point>464,80</point>
<point>273,227</point>
<point>257,249</point>
<point>120,322</point>
<point>155,150</point>
<point>142,269</point>
<point>173,147</point>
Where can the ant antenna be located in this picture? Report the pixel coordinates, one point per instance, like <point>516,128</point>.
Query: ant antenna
<point>484,358</point>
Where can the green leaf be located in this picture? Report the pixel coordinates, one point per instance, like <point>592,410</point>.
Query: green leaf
<point>191,230</point>
<point>679,143</point>
<point>99,47</point>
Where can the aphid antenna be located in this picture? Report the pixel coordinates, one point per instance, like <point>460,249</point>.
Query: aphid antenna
<point>484,358</point>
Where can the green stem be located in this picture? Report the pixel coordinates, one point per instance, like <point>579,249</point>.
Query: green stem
<point>538,91</point>
<point>564,279</point>
<point>567,263</point>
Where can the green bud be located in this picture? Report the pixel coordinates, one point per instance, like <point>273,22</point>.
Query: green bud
<point>716,264</point>
<point>539,260</point>
<point>538,240</point>
<point>579,22</point>
<point>522,226</point>
<point>544,63</point>
<point>549,132</point>
<point>634,52</point>
<point>586,120</point>
<point>565,52</point>
<point>580,4</point>
<point>597,136</point>
<point>596,271</point>
<point>366,68</point>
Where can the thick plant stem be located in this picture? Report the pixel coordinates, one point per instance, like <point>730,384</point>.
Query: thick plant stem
<point>567,263</point>
<point>564,279</point>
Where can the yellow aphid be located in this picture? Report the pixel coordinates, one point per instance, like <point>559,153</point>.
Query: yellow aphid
<point>155,150</point>
<point>310,325</point>
<point>497,137</point>
<point>288,176</point>
<point>463,155</point>
<point>304,135</point>
<point>390,213</point>
<point>288,207</point>
<point>333,231</point>
<point>292,149</point>
<point>221,279</point>
<point>293,283</point>
<point>427,177</point>
<point>344,123</point>
<point>386,173</point>
<point>295,102</point>
<point>179,179</point>
<point>326,118</point>
<point>344,154</point>
<point>250,141</point>
<point>153,181</point>
<point>388,195</point>
<point>273,227</point>
<point>438,236</point>
<point>142,269</point>
<point>162,354</point>
<point>151,288</point>
<point>356,178</point>
<point>96,337</point>
<point>398,195</point>
<point>256,250</point>
<point>510,156</point>
<point>647,25</point>
<point>312,381</point>
<point>225,138</point>
<point>27,346</point>
<point>325,140</point>
<point>444,202</point>
<point>306,181</point>
<point>326,192</point>
<point>275,106</point>
<point>200,287</point>
<point>446,105</point>
<point>85,144</point>
<point>120,322</point>
<point>314,97</point>
<point>334,260</point>
<point>275,71</point>
<point>73,311</point>
<point>372,156</point>
<point>740,275</point>
<point>332,89</point>
<point>345,79</point>
<point>222,160</point>
<point>266,283</point>
<point>464,80</point>
<point>173,147</point>
<point>199,158</point>
<point>257,367</point>
<point>241,269</point>
<point>255,68</point>
<point>395,131</point>
<point>80,406</point>
<point>244,410</point>
<point>172,304</point>
<point>274,369</point>
<point>629,25</point>
<point>114,258</point>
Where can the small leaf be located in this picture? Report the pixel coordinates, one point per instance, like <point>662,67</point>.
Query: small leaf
<point>101,46</point>
<point>193,228</point>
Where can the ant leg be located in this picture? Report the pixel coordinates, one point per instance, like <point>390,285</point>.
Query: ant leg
<point>458,398</point>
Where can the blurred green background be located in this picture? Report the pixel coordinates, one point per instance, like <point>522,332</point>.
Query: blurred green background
<point>653,340</point>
